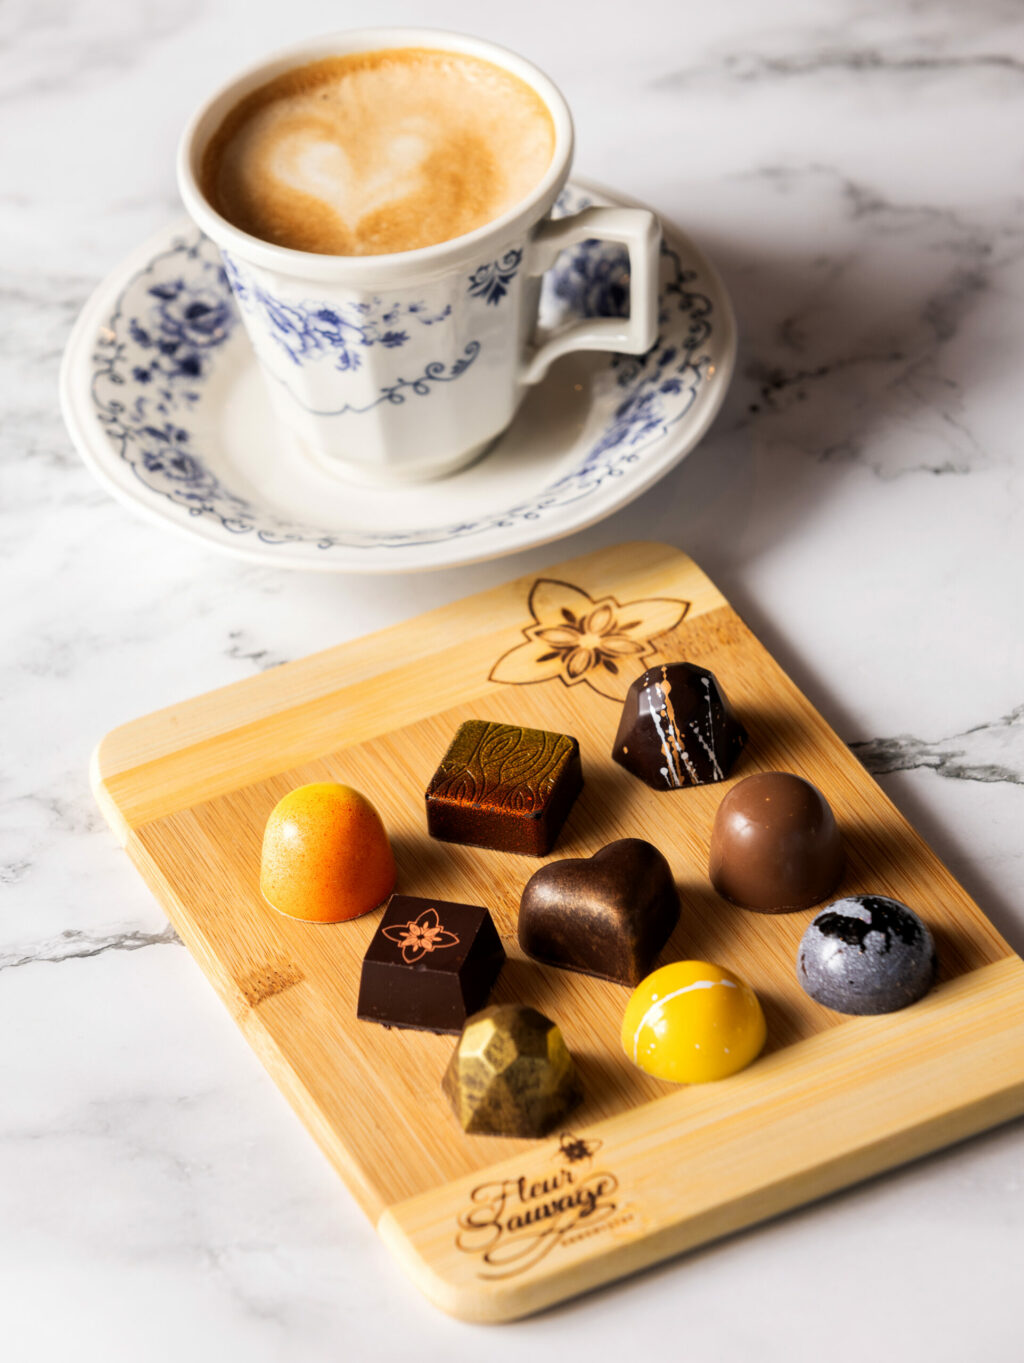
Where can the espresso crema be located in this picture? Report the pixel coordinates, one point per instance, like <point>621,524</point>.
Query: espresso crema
<point>378,151</point>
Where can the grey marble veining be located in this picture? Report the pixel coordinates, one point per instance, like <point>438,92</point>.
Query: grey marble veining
<point>869,45</point>
<point>854,170</point>
<point>74,945</point>
<point>747,67</point>
<point>868,332</point>
<point>988,752</point>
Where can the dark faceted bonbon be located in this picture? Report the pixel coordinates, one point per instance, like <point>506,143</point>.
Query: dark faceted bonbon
<point>677,728</point>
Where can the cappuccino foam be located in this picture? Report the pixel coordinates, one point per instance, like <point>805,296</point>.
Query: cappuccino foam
<point>378,151</point>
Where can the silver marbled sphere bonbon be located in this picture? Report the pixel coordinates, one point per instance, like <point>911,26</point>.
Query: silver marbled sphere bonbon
<point>867,954</point>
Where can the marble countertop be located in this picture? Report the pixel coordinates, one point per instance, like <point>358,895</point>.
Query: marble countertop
<point>854,168</point>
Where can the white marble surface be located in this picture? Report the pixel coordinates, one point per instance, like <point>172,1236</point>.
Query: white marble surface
<point>854,166</point>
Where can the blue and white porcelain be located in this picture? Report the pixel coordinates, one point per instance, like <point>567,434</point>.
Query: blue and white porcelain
<point>168,407</point>
<point>407,365</point>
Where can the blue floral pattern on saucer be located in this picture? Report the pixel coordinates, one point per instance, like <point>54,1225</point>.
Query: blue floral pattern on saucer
<point>160,350</point>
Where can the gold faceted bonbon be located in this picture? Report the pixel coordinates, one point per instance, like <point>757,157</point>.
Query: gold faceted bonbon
<point>511,1074</point>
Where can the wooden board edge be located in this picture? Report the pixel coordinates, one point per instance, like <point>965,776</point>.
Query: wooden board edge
<point>285,716</point>
<point>251,699</point>
<point>101,793</point>
<point>502,1303</point>
<point>773,1153</point>
<point>402,1223</point>
<point>257,1029</point>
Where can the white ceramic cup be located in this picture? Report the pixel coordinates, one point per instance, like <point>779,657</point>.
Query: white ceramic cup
<point>407,365</point>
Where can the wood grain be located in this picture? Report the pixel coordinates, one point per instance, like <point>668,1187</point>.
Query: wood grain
<point>815,1117</point>
<point>189,789</point>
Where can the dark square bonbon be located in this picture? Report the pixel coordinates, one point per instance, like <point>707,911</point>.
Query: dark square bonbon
<point>429,965</point>
<point>504,787</point>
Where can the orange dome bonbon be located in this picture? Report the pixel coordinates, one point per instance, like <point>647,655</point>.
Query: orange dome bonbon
<point>326,856</point>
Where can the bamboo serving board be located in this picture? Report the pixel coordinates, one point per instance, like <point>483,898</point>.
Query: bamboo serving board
<point>493,1229</point>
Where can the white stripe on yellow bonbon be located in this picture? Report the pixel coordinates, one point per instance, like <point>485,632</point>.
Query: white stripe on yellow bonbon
<point>702,1023</point>
<point>647,1021</point>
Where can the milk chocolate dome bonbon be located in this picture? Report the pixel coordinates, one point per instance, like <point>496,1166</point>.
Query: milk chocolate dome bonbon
<point>775,845</point>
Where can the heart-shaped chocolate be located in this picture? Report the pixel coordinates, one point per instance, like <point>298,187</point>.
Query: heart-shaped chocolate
<point>607,915</point>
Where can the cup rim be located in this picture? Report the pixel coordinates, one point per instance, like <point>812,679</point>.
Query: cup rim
<point>387,265</point>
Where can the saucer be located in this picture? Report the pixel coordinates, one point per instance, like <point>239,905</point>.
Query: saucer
<point>164,401</point>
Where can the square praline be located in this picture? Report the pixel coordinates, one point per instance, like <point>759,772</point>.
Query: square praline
<point>429,965</point>
<point>504,787</point>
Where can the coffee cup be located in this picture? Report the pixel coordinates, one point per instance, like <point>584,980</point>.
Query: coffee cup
<point>389,360</point>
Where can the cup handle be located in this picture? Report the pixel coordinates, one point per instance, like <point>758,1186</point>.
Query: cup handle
<point>640,232</point>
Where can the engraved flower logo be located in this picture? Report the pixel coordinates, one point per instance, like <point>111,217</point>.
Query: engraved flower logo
<point>574,1150</point>
<point>424,934</point>
<point>578,638</point>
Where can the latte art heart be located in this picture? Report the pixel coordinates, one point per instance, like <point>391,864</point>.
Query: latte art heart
<point>306,161</point>
<point>378,152</point>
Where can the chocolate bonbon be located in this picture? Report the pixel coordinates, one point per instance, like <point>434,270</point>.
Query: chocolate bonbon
<point>691,1022</point>
<point>511,1074</point>
<point>607,915</point>
<point>775,845</point>
<point>677,728</point>
<point>867,954</point>
<point>429,965</point>
<point>504,787</point>
<point>326,855</point>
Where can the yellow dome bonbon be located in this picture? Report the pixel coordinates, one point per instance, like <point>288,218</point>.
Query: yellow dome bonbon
<point>691,1022</point>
